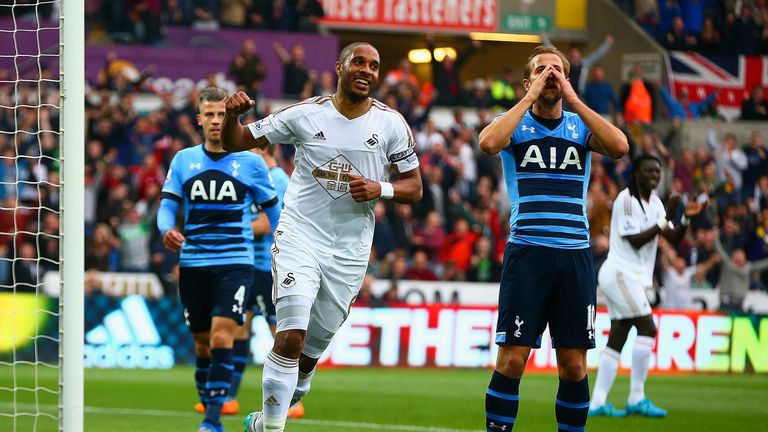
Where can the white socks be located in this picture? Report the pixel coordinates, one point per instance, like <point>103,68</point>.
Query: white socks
<point>278,384</point>
<point>606,374</point>
<point>641,354</point>
<point>302,386</point>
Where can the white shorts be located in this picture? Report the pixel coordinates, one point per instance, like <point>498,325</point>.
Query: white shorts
<point>624,293</point>
<point>332,283</point>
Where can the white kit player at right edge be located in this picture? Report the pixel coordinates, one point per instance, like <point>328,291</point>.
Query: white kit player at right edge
<point>346,144</point>
<point>638,218</point>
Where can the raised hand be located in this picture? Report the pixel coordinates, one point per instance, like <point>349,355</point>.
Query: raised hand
<point>537,85</point>
<point>569,94</point>
<point>239,103</point>
<point>694,208</point>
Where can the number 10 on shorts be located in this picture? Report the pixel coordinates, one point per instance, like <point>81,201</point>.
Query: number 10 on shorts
<point>591,321</point>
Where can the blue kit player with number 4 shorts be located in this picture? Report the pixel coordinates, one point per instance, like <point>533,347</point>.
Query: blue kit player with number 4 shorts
<point>217,190</point>
<point>548,277</point>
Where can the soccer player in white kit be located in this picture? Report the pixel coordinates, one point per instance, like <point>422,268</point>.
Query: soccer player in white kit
<point>345,146</point>
<point>637,219</point>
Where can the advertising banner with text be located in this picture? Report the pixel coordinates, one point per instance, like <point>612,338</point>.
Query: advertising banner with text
<point>441,336</point>
<point>416,15</point>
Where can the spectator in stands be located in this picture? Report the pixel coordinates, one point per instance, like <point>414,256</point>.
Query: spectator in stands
<point>476,94</point>
<point>25,269</point>
<point>134,241</point>
<point>580,65</point>
<point>757,163</point>
<point>177,12</point>
<point>756,107</point>
<point>144,17</point>
<point>326,85</point>
<point>709,41</point>
<point>445,73</point>
<point>668,10</point>
<point>101,252</point>
<point>234,13</point>
<point>503,90</point>
<point>295,72</point>
<point>678,38</point>
<point>637,98</point>
<point>458,245</point>
<point>685,167</point>
<point>283,16</point>
<point>599,95</point>
<point>677,277</point>
<point>430,237</point>
<point>744,31</point>
<point>248,70</point>
<point>419,269</point>
<point>205,14</point>
<point>693,15</point>
<point>646,13</point>
<point>483,266</point>
<point>383,234</point>
<point>308,15</point>
<point>403,74</point>
<point>598,210</point>
<point>730,160</point>
<point>260,14</point>
<point>682,107</point>
<point>735,277</point>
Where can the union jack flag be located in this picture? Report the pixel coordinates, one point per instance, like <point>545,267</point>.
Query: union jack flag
<point>732,75</point>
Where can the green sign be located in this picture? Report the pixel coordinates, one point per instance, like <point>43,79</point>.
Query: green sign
<point>517,23</point>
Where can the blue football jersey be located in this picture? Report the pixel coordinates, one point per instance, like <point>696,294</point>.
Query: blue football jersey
<point>547,176</point>
<point>218,194</point>
<point>262,245</point>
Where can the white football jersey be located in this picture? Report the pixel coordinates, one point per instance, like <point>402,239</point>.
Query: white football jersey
<point>330,146</point>
<point>627,218</point>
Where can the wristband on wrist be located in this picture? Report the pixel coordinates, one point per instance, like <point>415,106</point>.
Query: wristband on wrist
<point>684,221</point>
<point>662,223</point>
<point>387,190</point>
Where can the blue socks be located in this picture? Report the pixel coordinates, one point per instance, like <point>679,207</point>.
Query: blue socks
<point>217,387</point>
<point>240,351</point>
<point>501,402</point>
<point>201,376</point>
<point>572,405</point>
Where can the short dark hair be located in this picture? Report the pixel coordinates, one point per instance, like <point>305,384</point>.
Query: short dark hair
<point>212,94</point>
<point>346,53</point>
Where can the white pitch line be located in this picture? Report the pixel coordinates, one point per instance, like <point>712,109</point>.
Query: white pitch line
<point>184,414</point>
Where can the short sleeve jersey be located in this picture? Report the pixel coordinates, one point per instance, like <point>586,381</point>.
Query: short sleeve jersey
<point>547,175</point>
<point>630,217</point>
<point>329,147</point>
<point>262,244</point>
<point>217,196</point>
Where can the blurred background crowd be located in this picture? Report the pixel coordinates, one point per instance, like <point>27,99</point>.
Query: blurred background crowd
<point>459,229</point>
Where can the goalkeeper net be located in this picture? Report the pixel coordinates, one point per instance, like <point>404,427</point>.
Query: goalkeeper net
<point>33,378</point>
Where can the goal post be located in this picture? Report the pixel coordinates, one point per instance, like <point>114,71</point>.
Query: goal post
<point>72,249</point>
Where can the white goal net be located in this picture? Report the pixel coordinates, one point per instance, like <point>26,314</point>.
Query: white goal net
<point>33,328</point>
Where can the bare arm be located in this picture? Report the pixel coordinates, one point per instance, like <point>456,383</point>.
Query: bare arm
<point>281,52</point>
<point>606,138</point>
<point>261,225</point>
<point>407,188</point>
<point>234,136</point>
<point>496,136</point>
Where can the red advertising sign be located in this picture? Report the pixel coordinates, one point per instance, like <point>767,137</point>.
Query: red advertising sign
<point>451,15</point>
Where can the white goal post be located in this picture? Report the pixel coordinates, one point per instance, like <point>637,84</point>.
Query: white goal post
<point>72,249</point>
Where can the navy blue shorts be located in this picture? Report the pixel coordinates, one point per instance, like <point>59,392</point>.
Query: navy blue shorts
<point>206,292</point>
<point>540,286</point>
<point>260,298</point>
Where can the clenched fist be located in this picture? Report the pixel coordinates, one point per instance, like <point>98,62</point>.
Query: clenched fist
<point>239,103</point>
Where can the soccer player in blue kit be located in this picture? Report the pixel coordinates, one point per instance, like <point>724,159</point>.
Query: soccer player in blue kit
<point>217,190</point>
<point>548,275</point>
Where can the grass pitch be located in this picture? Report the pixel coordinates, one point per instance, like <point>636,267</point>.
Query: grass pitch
<point>432,400</point>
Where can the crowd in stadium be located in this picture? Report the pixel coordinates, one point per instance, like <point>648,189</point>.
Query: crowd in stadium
<point>459,229</point>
